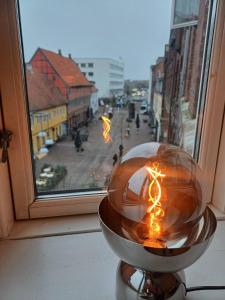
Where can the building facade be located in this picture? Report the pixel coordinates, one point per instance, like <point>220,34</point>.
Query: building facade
<point>108,75</point>
<point>71,83</point>
<point>94,105</point>
<point>48,110</point>
<point>183,68</point>
<point>156,95</point>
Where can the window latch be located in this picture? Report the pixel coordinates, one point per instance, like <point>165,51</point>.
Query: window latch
<point>5,138</point>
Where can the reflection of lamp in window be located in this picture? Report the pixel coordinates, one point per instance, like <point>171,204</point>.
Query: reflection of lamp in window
<point>155,219</point>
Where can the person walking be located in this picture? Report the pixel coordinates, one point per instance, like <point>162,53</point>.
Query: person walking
<point>137,122</point>
<point>120,150</point>
<point>115,158</point>
<point>78,142</point>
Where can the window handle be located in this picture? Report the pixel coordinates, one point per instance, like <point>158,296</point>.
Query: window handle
<point>5,138</point>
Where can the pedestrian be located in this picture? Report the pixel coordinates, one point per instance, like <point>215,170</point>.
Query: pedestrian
<point>115,158</point>
<point>137,122</point>
<point>120,150</point>
<point>78,142</point>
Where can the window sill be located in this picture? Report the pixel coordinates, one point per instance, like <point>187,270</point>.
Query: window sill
<point>66,225</point>
<point>77,266</point>
<point>55,226</point>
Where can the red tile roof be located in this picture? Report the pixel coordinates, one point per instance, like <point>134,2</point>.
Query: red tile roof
<point>42,93</point>
<point>66,68</point>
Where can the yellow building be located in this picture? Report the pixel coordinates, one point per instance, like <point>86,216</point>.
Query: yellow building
<point>48,126</point>
<point>48,112</point>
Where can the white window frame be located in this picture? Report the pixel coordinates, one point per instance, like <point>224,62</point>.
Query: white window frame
<point>17,120</point>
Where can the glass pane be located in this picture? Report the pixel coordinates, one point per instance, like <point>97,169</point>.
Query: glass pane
<point>121,77</point>
<point>186,11</point>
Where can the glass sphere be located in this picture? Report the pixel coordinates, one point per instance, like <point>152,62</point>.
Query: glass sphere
<point>156,189</point>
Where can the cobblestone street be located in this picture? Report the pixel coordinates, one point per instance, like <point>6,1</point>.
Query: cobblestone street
<point>91,168</point>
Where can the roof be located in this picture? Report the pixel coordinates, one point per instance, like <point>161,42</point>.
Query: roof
<point>66,68</point>
<point>42,93</point>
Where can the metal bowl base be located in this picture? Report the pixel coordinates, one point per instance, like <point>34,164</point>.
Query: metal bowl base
<point>137,284</point>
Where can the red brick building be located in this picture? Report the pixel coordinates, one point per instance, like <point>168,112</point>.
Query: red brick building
<point>183,64</point>
<point>156,97</point>
<point>70,81</point>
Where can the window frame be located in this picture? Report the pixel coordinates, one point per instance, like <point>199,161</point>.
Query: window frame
<point>17,120</point>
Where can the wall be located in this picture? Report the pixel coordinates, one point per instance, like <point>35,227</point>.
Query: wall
<point>94,102</point>
<point>40,62</point>
<point>102,74</point>
<point>49,121</point>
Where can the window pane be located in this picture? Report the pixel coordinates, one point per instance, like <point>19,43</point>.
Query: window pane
<point>186,11</point>
<point>112,87</point>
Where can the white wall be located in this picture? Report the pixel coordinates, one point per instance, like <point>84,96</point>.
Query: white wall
<point>94,102</point>
<point>102,74</point>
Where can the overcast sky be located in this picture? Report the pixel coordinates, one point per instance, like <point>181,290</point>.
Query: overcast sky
<point>135,30</point>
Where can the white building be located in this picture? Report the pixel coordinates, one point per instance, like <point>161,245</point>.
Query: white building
<point>107,73</point>
<point>94,101</point>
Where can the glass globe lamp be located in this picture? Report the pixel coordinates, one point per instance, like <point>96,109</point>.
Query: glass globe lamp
<point>156,188</point>
<point>156,220</point>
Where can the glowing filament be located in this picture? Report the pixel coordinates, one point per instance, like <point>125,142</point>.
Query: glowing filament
<point>106,129</point>
<point>154,209</point>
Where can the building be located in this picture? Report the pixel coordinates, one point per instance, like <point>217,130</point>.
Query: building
<point>48,110</point>
<point>156,95</point>
<point>94,105</point>
<point>70,81</point>
<point>183,65</point>
<point>108,75</point>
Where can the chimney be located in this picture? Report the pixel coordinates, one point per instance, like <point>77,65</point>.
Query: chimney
<point>69,55</point>
<point>60,52</point>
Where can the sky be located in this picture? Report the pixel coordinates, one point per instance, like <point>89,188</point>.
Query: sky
<point>134,30</point>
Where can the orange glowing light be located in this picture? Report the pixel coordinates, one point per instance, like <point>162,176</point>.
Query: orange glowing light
<point>154,210</point>
<point>106,129</point>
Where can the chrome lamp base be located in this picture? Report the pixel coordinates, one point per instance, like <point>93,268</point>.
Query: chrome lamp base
<point>159,273</point>
<point>137,284</point>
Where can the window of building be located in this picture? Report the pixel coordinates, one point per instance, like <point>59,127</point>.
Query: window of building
<point>84,73</point>
<point>90,74</point>
<point>90,65</point>
<point>80,162</point>
<point>186,11</point>
<point>83,65</point>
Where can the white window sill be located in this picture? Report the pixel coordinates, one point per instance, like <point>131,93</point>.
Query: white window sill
<point>83,267</point>
<point>55,226</point>
<point>66,225</point>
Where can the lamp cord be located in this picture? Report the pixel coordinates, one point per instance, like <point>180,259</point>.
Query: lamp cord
<point>205,287</point>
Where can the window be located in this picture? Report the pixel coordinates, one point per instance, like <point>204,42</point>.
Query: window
<point>186,11</point>
<point>83,65</point>
<point>79,172</point>
<point>90,65</point>
<point>174,101</point>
